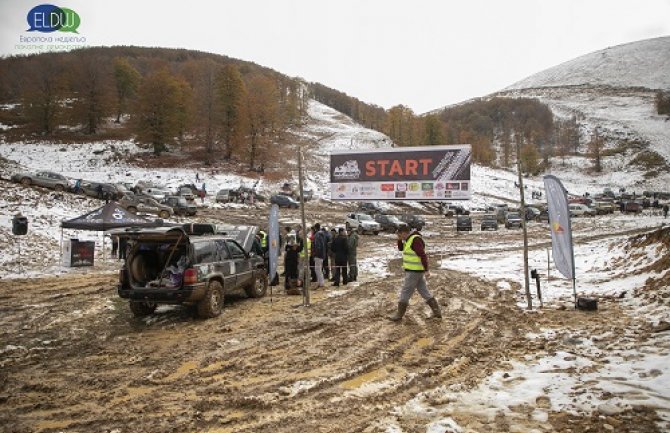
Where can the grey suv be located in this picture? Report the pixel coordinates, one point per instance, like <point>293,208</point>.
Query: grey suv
<point>172,265</point>
<point>47,179</point>
<point>145,204</point>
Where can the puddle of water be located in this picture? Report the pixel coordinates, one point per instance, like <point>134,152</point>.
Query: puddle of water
<point>52,425</point>
<point>133,393</point>
<point>183,370</point>
<point>359,381</point>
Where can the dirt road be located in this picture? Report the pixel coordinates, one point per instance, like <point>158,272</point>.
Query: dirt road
<point>73,359</point>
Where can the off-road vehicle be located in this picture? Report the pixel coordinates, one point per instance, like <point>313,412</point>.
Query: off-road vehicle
<point>177,265</point>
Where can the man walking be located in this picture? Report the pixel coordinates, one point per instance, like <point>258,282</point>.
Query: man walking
<point>665,210</point>
<point>351,258</point>
<point>415,264</point>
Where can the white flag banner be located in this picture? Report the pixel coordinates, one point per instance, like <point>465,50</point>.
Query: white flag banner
<point>561,228</point>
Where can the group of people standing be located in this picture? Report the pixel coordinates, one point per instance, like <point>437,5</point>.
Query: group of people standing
<point>330,255</point>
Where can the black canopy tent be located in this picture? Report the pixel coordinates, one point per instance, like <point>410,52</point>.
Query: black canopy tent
<point>109,216</point>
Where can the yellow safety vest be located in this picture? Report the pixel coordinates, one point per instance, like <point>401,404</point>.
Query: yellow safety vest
<point>308,246</point>
<point>264,239</point>
<point>410,260</point>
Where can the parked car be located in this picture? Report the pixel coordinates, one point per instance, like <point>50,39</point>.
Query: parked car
<point>512,220</point>
<point>145,204</point>
<point>179,205</point>
<point>413,221</point>
<point>168,265</point>
<point>284,201</point>
<point>100,190</point>
<point>47,179</point>
<point>197,192</point>
<point>451,210</point>
<point>370,208</point>
<point>604,207</point>
<point>363,222</point>
<point>157,192</point>
<point>532,213</point>
<point>224,196</point>
<point>186,193</point>
<point>632,207</point>
<point>578,209</point>
<point>489,222</point>
<point>463,223</point>
<point>389,223</point>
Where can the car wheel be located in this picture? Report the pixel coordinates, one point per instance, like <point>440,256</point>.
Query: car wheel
<point>141,309</point>
<point>26,181</point>
<point>164,214</point>
<point>376,232</point>
<point>132,209</point>
<point>259,287</point>
<point>212,304</point>
<point>59,188</point>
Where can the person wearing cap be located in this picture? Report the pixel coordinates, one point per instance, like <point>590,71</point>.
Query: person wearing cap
<point>415,264</point>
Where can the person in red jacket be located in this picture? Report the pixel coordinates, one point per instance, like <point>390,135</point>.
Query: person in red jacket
<point>415,264</point>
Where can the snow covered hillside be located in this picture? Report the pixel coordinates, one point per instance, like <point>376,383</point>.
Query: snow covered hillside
<point>643,64</point>
<point>612,92</point>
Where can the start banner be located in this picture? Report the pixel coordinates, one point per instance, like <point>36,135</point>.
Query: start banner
<point>408,173</point>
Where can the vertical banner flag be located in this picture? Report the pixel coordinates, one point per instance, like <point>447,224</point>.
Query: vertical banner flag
<point>409,173</point>
<point>561,229</point>
<point>273,242</point>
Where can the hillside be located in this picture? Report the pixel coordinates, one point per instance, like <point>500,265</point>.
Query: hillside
<point>611,92</point>
<point>643,64</point>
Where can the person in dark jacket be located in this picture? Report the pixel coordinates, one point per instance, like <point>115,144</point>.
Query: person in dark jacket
<point>331,258</point>
<point>319,252</point>
<point>340,249</point>
<point>415,264</point>
<point>291,259</point>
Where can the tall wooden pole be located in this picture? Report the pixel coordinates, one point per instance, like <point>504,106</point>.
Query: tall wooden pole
<point>529,300</point>
<point>306,277</point>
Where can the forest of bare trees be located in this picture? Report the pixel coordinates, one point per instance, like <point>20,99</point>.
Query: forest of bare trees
<point>235,110</point>
<point>160,97</point>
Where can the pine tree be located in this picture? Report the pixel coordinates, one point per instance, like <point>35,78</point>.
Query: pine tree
<point>127,79</point>
<point>232,101</point>
<point>263,112</point>
<point>157,111</point>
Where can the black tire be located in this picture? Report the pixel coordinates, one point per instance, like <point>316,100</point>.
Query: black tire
<point>259,288</point>
<point>26,181</point>
<point>59,188</point>
<point>376,232</point>
<point>141,309</point>
<point>164,214</point>
<point>132,209</point>
<point>212,304</point>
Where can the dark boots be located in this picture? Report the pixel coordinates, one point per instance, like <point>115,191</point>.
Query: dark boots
<point>397,316</point>
<point>432,303</point>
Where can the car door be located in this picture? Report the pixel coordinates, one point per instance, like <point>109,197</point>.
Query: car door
<point>225,265</point>
<point>241,262</point>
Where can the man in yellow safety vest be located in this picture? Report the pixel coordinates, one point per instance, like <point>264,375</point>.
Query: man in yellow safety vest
<point>415,264</point>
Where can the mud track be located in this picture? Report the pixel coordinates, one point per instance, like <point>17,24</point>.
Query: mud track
<point>74,359</point>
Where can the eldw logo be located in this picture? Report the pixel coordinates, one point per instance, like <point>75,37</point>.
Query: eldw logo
<point>49,18</point>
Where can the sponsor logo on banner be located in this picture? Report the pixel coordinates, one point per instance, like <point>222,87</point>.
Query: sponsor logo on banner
<point>414,186</point>
<point>453,186</point>
<point>426,186</point>
<point>387,187</point>
<point>401,187</point>
<point>348,170</point>
<point>439,186</point>
<point>464,186</point>
<point>428,194</point>
<point>400,194</point>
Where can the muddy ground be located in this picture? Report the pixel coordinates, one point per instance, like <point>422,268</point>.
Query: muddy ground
<point>75,360</point>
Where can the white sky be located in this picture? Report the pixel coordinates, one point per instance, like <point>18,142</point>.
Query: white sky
<point>424,54</point>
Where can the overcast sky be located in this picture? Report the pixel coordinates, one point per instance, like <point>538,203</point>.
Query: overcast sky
<point>424,54</point>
